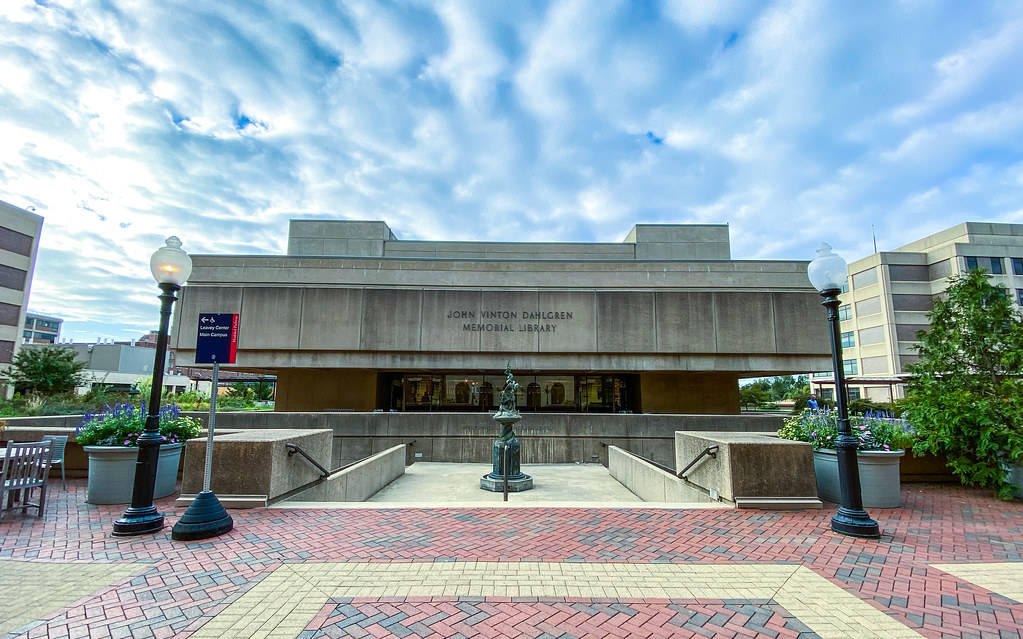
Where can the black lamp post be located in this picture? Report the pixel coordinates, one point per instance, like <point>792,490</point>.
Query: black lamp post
<point>827,273</point>
<point>171,266</point>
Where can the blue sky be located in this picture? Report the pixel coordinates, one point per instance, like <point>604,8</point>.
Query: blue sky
<point>793,122</point>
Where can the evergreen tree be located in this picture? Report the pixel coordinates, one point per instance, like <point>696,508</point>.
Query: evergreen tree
<point>965,398</point>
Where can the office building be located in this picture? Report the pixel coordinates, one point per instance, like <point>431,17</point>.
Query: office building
<point>41,329</point>
<point>19,242</point>
<point>890,294</point>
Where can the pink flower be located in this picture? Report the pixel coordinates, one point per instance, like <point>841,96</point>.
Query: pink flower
<point>886,447</point>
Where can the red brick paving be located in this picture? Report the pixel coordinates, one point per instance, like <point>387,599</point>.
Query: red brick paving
<point>189,582</point>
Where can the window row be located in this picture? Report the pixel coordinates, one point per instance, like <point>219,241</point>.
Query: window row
<point>994,264</point>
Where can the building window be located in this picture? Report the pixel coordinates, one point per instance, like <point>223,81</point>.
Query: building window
<point>868,306</point>
<point>872,335</point>
<point>845,312</point>
<point>864,278</point>
<point>848,340</point>
<point>825,374</point>
<point>854,393</point>
<point>849,367</point>
<point>1017,265</point>
<point>1019,296</point>
<point>991,264</point>
<point>828,393</point>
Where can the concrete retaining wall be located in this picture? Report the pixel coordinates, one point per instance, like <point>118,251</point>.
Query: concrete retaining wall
<point>547,438</point>
<point>360,481</point>
<point>648,482</point>
<point>748,466</point>
<point>256,462</point>
<point>452,437</point>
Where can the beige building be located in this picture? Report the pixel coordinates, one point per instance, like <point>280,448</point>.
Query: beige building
<point>889,295</point>
<point>41,329</point>
<point>353,318</point>
<point>19,242</point>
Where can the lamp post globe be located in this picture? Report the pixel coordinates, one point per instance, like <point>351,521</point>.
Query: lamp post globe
<point>827,273</point>
<point>171,267</point>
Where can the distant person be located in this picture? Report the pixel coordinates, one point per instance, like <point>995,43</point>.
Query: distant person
<point>812,403</point>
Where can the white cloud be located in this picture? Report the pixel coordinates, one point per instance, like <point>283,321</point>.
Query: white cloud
<point>565,120</point>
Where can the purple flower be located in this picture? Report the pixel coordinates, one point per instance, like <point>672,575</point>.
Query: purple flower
<point>127,442</point>
<point>886,447</point>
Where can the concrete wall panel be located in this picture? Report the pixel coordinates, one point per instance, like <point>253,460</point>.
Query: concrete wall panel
<point>270,318</point>
<point>331,318</point>
<point>745,323</point>
<point>685,322</point>
<point>515,339</point>
<point>446,316</point>
<point>800,323</point>
<point>578,334</point>
<point>391,320</point>
<point>202,299</point>
<point>625,322</point>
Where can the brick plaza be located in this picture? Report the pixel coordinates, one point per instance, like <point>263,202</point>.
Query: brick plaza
<point>948,565</point>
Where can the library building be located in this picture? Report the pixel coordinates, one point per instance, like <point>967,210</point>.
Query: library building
<point>354,319</point>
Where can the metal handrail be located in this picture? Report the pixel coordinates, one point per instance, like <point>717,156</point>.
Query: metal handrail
<point>295,448</point>
<point>709,451</point>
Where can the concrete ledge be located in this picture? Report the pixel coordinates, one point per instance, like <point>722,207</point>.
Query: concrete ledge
<point>359,481</point>
<point>256,462</point>
<point>228,501</point>
<point>749,466</point>
<point>648,482</point>
<point>779,503</point>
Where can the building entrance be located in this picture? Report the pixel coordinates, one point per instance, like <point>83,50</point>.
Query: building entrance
<point>475,392</point>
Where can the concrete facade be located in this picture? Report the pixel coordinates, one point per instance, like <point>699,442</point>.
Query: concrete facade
<point>19,243</point>
<point>889,296</point>
<point>664,321</point>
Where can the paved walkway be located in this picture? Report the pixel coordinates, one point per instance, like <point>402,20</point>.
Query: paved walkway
<point>948,565</point>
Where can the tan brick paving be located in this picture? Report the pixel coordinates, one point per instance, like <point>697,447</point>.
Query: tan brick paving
<point>1006,579</point>
<point>294,593</point>
<point>33,590</point>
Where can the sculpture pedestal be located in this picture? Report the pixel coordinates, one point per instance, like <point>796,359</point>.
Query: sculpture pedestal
<point>489,482</point>
<point>506,466</point>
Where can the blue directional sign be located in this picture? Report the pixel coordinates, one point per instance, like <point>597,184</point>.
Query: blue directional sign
<point>217,341</point>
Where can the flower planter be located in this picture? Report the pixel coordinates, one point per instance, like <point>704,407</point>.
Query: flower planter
<point>879,476</point>
<point>1016,478</point>
<point>112,472</point>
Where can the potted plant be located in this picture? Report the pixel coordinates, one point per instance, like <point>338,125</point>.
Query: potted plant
<point>881,444</point>
<point>109,439</point>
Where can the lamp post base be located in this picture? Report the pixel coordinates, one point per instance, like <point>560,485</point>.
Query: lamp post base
<point>854,523</point>
<point>139,521</point>
<point>204,518</point>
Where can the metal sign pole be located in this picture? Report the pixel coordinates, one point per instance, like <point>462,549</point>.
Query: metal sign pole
<point>209,433</point>
<point>216,341</point>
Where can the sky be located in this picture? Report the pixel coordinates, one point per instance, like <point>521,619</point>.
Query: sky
<point>795,122</point>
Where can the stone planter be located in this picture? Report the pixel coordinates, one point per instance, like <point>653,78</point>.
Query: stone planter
<point>879,476</point>
<point>1016,478</point>
<point>112,472</point>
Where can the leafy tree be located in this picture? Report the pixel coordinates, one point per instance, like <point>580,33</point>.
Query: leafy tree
<point>966,396</point>
<point>47,370</point>
<point>753,395</point>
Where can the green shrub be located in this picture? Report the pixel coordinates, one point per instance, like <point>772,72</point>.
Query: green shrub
<point>122,424</point>
<point>966,395</point>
